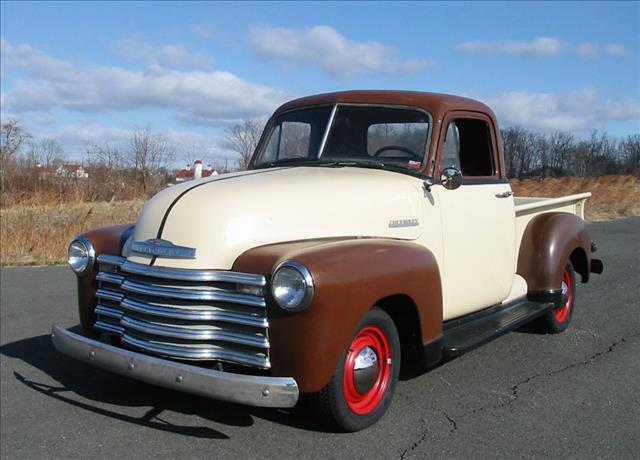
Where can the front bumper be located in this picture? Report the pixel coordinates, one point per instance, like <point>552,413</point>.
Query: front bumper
<point>237,388</point>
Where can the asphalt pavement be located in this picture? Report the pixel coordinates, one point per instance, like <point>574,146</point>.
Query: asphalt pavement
<point>524,395</point>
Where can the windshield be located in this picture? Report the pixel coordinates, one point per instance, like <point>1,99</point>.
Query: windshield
<point>358,136</point>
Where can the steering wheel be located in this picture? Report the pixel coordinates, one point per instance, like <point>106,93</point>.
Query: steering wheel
<point>399,148</point>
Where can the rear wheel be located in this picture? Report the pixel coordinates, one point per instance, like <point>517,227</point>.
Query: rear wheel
<point>362,386</point>
<point>557,320</point>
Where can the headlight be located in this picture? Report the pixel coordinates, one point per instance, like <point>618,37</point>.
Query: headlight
<point>81,256</point>
<point>292,286</point>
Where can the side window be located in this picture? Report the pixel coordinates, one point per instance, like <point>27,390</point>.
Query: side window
<point>295,140</point>
<point>468,147</point>
<point>451,150</point>
<point>288,140</point>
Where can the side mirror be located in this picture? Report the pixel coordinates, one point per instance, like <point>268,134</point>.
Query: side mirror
<point>451,178</point>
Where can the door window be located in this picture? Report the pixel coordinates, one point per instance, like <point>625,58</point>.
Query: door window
<point>468,148</point>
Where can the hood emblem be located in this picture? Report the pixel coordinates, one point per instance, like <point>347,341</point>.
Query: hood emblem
<point>396,223</point>
<point>163,248</point>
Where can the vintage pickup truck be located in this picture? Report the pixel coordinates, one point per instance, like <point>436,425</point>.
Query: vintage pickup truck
<point>372,229</point>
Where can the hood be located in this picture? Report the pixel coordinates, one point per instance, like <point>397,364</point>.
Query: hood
<point>227,215</point>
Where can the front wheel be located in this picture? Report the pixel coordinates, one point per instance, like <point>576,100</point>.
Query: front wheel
<point>362,386</point>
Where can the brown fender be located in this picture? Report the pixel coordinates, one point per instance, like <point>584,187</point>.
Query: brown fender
<point>105,240</point>
<point>350,277</point>
<point>548,242</point>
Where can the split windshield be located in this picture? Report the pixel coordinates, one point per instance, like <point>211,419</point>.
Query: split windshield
<point>358,135</point>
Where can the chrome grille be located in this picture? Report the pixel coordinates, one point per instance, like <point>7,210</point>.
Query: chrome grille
<point>184,314</point>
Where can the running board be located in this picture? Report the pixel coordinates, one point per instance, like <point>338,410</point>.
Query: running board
<point>470,331</point>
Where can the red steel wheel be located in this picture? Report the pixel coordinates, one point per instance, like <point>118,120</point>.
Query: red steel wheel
<point>562,313</point>
<point>362,386</point>
<point>558,319</point>
<point>367,370</point>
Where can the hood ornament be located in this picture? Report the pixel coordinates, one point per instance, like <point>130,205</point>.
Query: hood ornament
<point>163,248</point>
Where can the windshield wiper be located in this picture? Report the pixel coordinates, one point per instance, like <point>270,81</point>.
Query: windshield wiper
<point>288,161</point>
<point>354,163</point>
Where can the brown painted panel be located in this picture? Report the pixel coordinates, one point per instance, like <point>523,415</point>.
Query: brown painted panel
<point>547,244</point>
<point>105,240</point>
<point>350,277</point>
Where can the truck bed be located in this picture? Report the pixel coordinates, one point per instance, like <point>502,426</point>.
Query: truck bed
<point>526,208</point>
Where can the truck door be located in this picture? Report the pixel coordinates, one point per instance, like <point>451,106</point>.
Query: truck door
<point>478,218</point>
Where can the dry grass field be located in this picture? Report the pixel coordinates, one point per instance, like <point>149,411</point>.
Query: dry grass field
<point>38,234</point>
<point>613,197</point>
<point>36,230</point>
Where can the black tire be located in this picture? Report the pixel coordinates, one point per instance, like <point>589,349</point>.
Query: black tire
<point>337,402</point>
<point>557,320</point>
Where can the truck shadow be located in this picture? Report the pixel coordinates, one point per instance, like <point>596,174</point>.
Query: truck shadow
<point>94,390</point>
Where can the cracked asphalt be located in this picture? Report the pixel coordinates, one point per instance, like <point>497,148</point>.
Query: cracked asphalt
<point>524,395</point>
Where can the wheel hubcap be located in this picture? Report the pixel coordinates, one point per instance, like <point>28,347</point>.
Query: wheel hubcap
<point>367,370</point>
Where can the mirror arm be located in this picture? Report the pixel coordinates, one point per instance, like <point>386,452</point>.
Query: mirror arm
<point>430,181</point>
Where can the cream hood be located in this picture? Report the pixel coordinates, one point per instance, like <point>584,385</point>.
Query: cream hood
<point>229,214</point>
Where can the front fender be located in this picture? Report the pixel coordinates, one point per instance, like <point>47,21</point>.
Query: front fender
<point>105,240</point>
<point>350,277</point>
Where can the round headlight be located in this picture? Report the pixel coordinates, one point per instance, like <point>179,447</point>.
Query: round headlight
<point>81,256</point>
<point>292,286</point>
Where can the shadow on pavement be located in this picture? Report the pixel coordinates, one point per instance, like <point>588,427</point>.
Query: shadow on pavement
<point>101,387</point>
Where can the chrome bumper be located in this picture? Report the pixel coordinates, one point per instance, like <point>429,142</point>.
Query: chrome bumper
<point>237,388</point>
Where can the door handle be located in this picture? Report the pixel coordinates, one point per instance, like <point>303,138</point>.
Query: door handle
<point>506,194</point>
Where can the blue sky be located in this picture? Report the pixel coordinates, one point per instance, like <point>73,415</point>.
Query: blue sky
<point>89,72</point>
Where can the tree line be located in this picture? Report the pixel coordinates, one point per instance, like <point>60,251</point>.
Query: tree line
<point>146,163</point>
<point>558,154</point>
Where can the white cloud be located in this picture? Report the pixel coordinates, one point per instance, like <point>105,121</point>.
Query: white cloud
<point>542,47</point>
<point>588,50</point>
<point>198,96</point>
<point>577,110</point>
<point>622,109</point>
<point>331,50</point>
<point>134,49</point>
<point>616,50</point>
<point>204,30</point>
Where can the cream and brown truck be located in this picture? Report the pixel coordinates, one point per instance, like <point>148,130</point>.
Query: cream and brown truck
<point>373,229</point>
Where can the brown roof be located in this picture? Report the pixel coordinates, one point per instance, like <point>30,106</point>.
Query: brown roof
<point>434,103</point>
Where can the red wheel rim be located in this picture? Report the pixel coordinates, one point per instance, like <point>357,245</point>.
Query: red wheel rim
<point>562,313</point>
<point>374,338</point>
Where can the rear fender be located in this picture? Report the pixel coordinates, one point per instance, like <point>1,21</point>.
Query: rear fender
<point>548,242</point>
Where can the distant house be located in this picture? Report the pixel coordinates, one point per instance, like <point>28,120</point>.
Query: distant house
<point>196,172</point>
<point>65,171</point>
<point>72,171</point>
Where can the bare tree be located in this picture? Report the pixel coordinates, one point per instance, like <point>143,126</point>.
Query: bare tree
<point>243,139</point>
<point>630,154</point>
<point>47,152</point>
<point>151,152</point>
<point>106,155</point>
<point>11,139</point>
<point>561,152</point>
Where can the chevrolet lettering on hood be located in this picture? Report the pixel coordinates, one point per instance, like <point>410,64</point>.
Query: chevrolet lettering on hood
<point>163,248</point>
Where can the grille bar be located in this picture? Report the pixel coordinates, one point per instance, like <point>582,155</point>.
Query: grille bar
<point>173,293</point>
<point>192,333</point>
<point>196,353</point>
<point>195,315</point>
<point>183,274</point>
<point>209,313</point>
